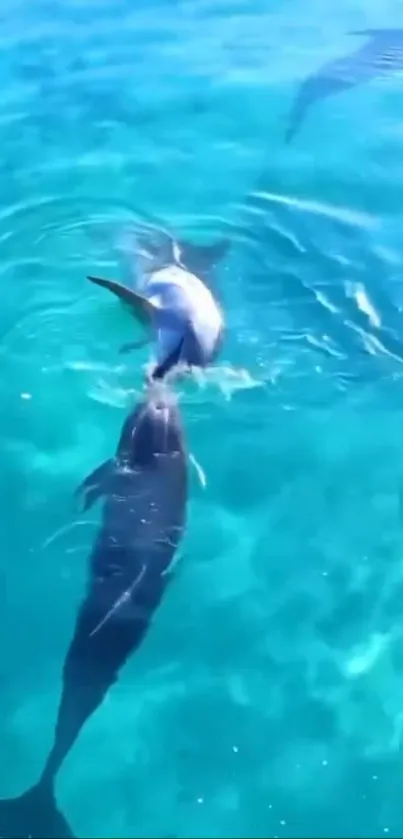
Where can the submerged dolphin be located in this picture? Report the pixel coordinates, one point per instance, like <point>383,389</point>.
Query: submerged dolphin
<point>174,301</point>
<point>381,54</point>
<point>145,490</point>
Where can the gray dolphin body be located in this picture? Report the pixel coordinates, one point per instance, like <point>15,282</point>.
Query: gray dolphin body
<point>143,519</point>
<point>381,54</point>
<point>173,300</point>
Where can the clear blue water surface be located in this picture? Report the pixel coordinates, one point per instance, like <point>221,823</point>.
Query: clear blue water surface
<point>267,699</point>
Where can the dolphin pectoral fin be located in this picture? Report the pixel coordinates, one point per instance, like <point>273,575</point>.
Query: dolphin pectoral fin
<point>139,305</point>
<point>95,485</point>
<point>200,259</point>
<point>169,362</point>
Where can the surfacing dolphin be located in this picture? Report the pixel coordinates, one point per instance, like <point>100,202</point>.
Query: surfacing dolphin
<point>145,490</point>
<point>381,54</point>
<point>174,301</point>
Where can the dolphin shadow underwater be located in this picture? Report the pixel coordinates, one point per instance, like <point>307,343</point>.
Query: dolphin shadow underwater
<point>381,54</point>
<point>174,302</point>
<point>145,486</point>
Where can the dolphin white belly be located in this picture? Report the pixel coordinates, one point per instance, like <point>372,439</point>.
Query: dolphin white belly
<point>181,300</point>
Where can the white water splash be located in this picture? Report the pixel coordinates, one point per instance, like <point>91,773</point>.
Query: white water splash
<point>226,378</point>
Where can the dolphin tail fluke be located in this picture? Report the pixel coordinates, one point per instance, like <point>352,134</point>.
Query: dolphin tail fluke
<point>158,249</point>
<point>200,259</point>
<point>33,814</point>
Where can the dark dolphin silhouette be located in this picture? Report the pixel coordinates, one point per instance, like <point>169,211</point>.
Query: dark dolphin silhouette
<point>145,491</point>
<point>381,54</point>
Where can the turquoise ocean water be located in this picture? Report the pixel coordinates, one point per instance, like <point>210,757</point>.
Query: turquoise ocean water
<point>267,700</point>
